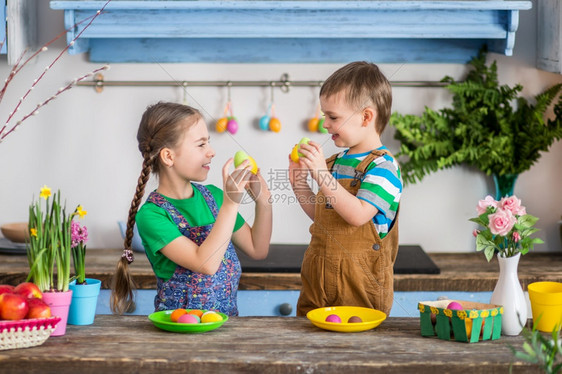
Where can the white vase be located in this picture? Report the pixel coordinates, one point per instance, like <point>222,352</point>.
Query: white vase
<point>509,294</point>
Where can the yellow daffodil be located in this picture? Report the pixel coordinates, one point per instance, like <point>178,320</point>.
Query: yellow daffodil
<point>80,211</point>
<point>45,192</point>
<point>33,232</point>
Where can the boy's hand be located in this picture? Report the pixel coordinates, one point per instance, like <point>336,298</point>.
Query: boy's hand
<point>313,159</point>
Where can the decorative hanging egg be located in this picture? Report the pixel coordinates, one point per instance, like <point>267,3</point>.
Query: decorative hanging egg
<point>275,124</point>
<point>264,123</point>
<point>321,128</point>
<point>232,125</point>
<point>221,124</point>
<point>313,124</point>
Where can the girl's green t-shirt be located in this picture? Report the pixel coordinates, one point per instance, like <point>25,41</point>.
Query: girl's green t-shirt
<point>157,228</point>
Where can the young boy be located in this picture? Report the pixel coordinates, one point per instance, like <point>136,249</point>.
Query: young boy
<point>355,214</point>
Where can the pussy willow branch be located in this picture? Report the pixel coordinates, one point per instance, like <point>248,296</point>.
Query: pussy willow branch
<point>60,91</point>
<point>17,68</point>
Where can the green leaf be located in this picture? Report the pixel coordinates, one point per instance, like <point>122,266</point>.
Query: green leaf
<point>527,220</point>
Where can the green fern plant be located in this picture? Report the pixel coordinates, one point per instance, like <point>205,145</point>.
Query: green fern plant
<point>489,127</point>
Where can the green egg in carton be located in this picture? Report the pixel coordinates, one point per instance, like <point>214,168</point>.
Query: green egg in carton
<point>463,321</point>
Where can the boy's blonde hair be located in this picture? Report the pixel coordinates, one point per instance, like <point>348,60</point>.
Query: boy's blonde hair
<point>363,84</point>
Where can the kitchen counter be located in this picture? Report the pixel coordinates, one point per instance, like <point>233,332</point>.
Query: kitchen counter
<point>131,344</point>
<point>458,272</point>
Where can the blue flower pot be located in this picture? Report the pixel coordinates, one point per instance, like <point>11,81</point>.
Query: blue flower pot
<point>84,300</point>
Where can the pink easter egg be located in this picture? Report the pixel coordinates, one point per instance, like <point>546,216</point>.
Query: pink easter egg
<point>188,318</point>
<point>232,126</point>
<point>333,318</point>
<point>453,305</point>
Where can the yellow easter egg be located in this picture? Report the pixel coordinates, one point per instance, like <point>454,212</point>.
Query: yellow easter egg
<point>295,153</point>
<point>221,124</point>
<point>313,124</point>
<point>254,165</point>
<point>210,317</point>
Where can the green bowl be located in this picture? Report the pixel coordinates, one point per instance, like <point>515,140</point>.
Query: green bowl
<point>162,321</point>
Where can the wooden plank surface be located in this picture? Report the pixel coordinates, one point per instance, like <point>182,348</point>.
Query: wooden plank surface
<point>459,272</point>
<point>127,344</point>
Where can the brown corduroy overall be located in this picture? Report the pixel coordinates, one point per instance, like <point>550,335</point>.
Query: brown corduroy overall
<point>347,265</point>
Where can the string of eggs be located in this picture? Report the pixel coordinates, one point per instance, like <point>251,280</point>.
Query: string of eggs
<point>268,122</point>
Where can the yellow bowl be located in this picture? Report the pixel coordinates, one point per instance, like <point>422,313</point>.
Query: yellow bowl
<point>16,232</point>
<point>371,318</point>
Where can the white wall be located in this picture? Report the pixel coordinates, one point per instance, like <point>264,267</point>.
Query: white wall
<point>85,143</point>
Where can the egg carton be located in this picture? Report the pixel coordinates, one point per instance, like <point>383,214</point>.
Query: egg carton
<point>476,322</point>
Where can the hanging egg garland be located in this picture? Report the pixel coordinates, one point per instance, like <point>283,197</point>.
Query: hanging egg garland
<point>228,122</point>
<point>269,122</point>
<point>317,122</point>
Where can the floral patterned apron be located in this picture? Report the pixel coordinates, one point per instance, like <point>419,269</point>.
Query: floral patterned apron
<point>192,290</point>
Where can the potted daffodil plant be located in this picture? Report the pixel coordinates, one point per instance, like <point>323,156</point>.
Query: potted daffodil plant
<point>49,251</point>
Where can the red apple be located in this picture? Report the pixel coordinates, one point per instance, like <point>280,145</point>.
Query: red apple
<point>28,290</point>
<point>38,309</point>
<point>13,306</point>
<point>6,288</point>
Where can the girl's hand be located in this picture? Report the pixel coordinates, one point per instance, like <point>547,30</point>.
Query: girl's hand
<point>234,184</point>
<point>297,173</point>
<point>313,159</point>
<point>257,189</point>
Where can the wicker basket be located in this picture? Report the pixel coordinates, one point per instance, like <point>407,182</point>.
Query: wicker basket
<point>26,332</point>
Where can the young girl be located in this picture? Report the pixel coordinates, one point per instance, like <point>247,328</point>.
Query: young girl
<point>186,228</point>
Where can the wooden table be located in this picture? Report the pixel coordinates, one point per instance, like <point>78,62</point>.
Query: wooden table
<point>131,344</point>
<point>459,272</point>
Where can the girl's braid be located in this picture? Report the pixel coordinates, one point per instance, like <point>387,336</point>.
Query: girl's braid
<point>122,298</point>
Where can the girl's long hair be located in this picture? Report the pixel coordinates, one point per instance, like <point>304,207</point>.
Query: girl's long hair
<point>162,126</point>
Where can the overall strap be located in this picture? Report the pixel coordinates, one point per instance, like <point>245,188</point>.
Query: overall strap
<point>363,165</point>
<point>331,160</point>
<point>369,158</point>
<point>159,200</point>
<point>178,218</point>
<point>209,199</point>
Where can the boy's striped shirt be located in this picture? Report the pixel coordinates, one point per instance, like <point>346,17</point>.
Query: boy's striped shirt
<point>381,185</point>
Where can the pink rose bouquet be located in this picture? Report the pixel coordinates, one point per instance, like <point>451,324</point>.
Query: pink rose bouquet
<point>507,227</point>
